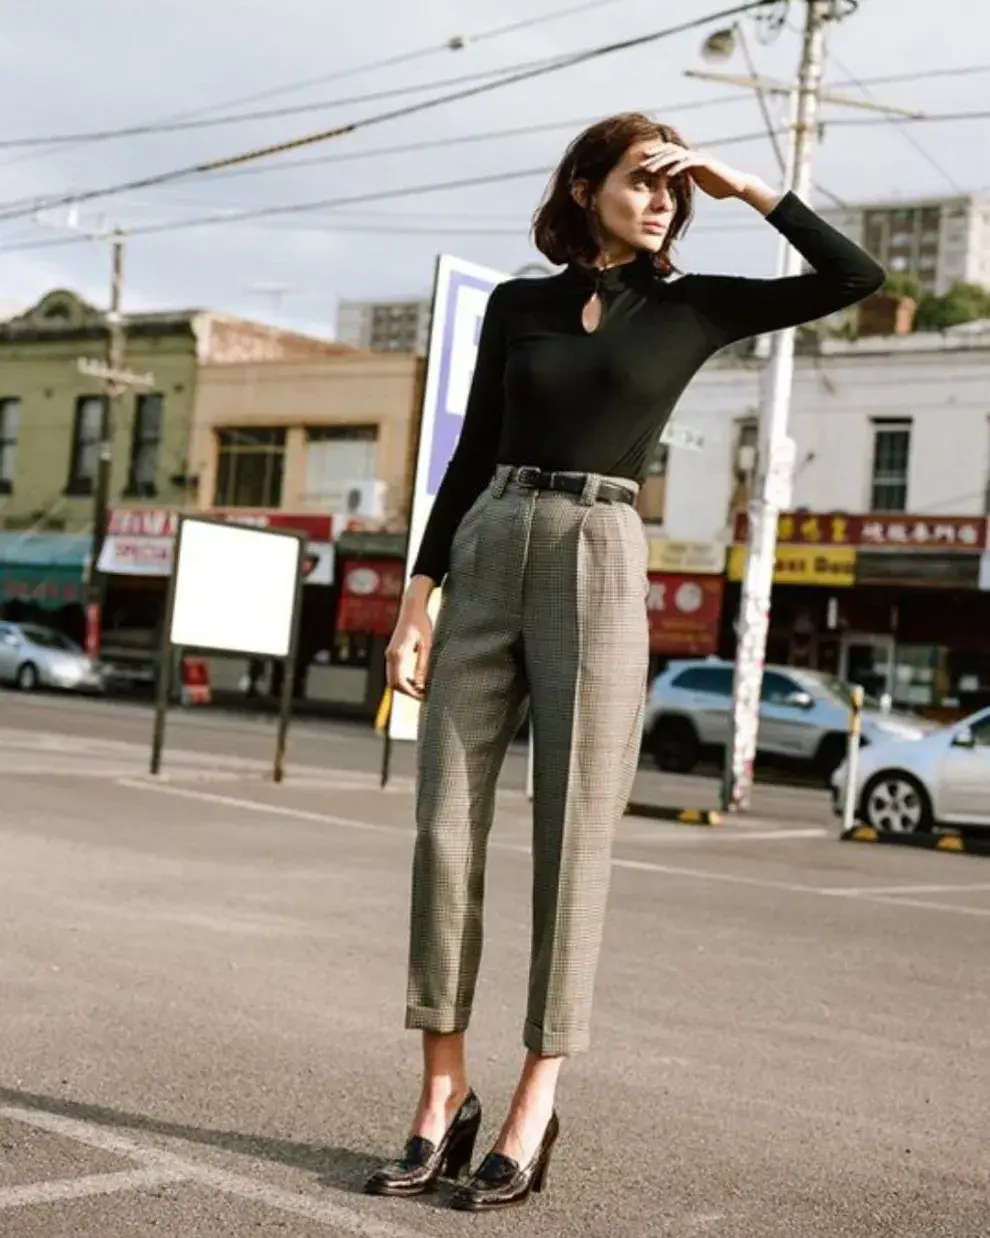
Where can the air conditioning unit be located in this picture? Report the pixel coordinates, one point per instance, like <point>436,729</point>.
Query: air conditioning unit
<point>362,497</point>
<point>745,459</point>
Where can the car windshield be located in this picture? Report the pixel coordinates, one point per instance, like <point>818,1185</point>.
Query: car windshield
<point>45,638</point>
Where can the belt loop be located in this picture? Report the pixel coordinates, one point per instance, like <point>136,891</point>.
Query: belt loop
<point>503,474</point>
<point>589,495</point>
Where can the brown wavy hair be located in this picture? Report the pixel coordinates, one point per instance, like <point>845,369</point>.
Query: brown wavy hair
<point>566,232</point>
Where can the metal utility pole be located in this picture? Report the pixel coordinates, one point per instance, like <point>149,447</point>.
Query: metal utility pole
<point>776,451</point>
<point>116,382</point>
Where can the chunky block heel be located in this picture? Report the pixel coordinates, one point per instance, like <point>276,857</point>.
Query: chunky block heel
<point>501,1182</point>
<point>422,1164</point>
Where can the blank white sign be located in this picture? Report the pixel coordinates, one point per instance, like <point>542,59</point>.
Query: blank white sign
<point>235,588</point>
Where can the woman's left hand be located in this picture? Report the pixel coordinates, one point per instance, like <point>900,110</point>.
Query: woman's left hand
<point>711,175</point>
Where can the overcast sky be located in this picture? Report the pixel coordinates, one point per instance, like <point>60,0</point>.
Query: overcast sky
<point>68,68</point>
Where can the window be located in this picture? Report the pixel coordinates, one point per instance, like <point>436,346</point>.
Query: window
<point>891,451</point>
<point>712,680</point>
<point>10,432</point>
<point>86,444</point>
<point>250,465</point>
<point>777,689</point>
<point>336,458</point>
<point>145,442</point>
<point>394,328</point>
<point>980,730</point>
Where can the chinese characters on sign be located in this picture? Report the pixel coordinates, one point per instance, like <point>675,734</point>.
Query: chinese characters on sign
<point>965,533</point>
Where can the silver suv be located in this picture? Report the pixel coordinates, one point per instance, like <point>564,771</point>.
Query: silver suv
<point>803,717</point>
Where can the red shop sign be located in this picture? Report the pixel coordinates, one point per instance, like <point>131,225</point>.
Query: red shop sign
<point>685,613</point>
<point>370,592</point>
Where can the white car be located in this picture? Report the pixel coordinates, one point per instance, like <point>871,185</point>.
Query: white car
<point>804,716</point>
<point>943,779</point>
<point>32,656</point>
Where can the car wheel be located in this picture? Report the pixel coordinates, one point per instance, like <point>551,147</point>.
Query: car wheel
<point>830,755</point>
<point>674,745</point>
<point>27,677</point>
<point>896,801</point>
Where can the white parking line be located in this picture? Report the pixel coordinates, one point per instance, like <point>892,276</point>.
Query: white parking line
<point>648,866</point>
<point>346,1220</point>
<point>81,1188</point>
<point>915,889</point>
<point>281,810</point>
<point>922,905</point>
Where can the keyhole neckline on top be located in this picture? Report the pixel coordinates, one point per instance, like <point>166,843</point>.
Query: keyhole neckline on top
<point>593,312</point>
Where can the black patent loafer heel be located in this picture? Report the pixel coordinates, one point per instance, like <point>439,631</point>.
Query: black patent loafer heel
<point>423,1163</point>
<point>500,1182</point>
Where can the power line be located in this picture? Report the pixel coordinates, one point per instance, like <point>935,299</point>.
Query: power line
<point>179,126</point>
<point>196,120</point>
<point>382,117</point>
<point>296,208</point>
<point>455,43</point>
<point>924,75</point>
<point>433,143</point>
<point>908,137</point>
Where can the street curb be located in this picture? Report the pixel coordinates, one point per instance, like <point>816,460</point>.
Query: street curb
<point>939,840</point>
<point>680,816</point>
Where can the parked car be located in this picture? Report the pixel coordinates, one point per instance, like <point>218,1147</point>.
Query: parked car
<point>32,656</point>
<point>804,717</point>
<point>911,787</point>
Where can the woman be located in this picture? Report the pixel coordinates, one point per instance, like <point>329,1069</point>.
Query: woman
<point>543,558</point>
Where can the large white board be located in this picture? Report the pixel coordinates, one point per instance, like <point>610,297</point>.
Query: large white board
<point>235,588</point>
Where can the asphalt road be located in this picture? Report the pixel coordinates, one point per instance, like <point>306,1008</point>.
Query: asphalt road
<point>201,984</point>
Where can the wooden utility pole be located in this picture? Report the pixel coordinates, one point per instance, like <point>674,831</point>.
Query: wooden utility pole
<point>116,382</point>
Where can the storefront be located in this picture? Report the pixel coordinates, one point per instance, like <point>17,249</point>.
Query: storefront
<point>42,577</point>
<point>684,602</point>
<point>137,558</point>
<point>897,604</point>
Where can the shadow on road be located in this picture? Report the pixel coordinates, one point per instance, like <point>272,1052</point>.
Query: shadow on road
<point>341,1168</point>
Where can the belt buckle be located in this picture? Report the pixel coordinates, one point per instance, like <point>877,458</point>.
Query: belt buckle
<point>528,475</point>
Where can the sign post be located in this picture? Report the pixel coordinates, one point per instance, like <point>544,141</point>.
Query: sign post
<point>234,589</point>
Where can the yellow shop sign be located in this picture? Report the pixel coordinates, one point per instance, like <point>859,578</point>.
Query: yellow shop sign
<point>834,566</point>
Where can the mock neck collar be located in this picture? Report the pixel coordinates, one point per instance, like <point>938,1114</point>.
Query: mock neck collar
<point>623,275</point>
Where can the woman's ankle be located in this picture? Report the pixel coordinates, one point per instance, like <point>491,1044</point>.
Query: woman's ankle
<point>444,1093</point>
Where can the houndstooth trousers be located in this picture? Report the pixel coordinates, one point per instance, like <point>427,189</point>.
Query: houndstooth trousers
<point>545,602</point>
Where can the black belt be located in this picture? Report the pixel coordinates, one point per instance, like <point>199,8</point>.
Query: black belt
<point>571,483</point>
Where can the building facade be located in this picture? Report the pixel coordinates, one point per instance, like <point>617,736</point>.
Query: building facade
<point>883,572</point>
<point>385,326</point>
<point>50,423</point>
<point>941,241</point>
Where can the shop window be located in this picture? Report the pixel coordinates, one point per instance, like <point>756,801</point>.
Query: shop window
<point>145,444</point>
<point>10,433</point>
<point>86,444</point>
<point>891,456</point>
<point>250,467</point>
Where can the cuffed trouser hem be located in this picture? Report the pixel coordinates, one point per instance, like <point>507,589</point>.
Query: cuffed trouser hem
<point>427,1019</point>
<point>554,1044</point>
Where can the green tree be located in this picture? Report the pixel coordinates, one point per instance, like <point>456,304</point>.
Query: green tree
<point>904,286</point>
<point>962,303</point>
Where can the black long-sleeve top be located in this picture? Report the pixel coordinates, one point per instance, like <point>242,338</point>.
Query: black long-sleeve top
<point>546,392</point>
